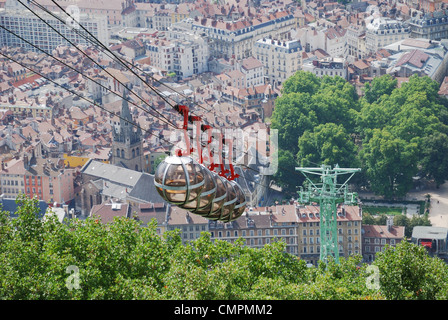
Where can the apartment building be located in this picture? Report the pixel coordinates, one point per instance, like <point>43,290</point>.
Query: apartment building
<point>235,39</point>
<point>12,178</point>
<point>298,226</point>
<point>162,20</point>
<point>324,35</point>
<point>376,238</point>
<point>381,32</point>
<point>281,59</point>
<point>432,26</point>
<point>336,42</point>
<point>261,226</point>
<point>28,109</point>
<point>46,179</point>
<point>22,21</point>
<point>190,225</point>
<point>191,53</point>
<point>111,10</point>
<point>356,38</point>
<point>253,71</point>
<point>184,54</point>
<point>348,228</point>
<point>416,56</point>
<point>327,67</point>
<point>49,180</point>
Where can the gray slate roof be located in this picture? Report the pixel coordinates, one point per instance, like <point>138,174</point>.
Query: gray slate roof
<point>122,183</point>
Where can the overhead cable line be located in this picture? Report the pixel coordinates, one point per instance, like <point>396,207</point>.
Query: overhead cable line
<point>123,62</point>
<point>74,69</point>
<point>98,43</point>
<point>80,96</point>
<point>104,69</point>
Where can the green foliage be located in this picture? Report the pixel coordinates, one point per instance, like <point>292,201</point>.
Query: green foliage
<point>393,134</point>
<point>286,176</point>
<point>124,260</point>
<point>327,144</point>
<point>402,129</point>
<point>407,272</point>
<point>389,163</point>
<point>378,87</point>
<point>410,223</point>
<point>310,110</point>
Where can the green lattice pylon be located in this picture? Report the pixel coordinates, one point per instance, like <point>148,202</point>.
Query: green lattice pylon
<point>328,194</point>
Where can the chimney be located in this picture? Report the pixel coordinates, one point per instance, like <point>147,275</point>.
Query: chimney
<point>26,162</point>
<point>389,223</point>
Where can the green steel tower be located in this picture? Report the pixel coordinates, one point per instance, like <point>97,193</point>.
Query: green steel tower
<point>328,193</point>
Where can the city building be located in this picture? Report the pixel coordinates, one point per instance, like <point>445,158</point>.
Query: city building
<point>147,212</point>
<point>356,38</point>
<point>281,59</point>
<point>261,226</point>
<point>327,67</point>
<point>375,238</point>
<point>107,211</point>
<point>21,21</point>
<point>381,32</point>
<point>235,39</point>
<point>28,109</point>
<point>112,10</point>
<point>47,179</point>
<point>298,226</point>
<point>253,71</point>
<point>100,182</point>
<point>191,53</point>
<point>184,54</point>
<point>190,225</point>
<point>430,25</point>
<point>323,35</point>
<point>348,228</point>
<point>416,56</point>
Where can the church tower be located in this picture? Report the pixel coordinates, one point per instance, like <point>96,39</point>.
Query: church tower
<point>127,145</point>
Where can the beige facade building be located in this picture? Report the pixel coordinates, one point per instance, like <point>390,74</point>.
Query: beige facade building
<point>297,226</point>
<point>20,22</point>
<point>381,32</point>
<point>28,109</point>
<point>236,39</point>
<point>281,58</point>
<point>356,38</point>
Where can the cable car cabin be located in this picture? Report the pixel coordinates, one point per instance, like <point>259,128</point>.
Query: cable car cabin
<point>191,186</point>
<point>207,195</point>
<point>240,204</point>
<point>217,200</point>
<point>179,180</point>
<point>223,211</point>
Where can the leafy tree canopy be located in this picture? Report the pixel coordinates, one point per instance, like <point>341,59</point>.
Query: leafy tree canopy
<point>124,260</point>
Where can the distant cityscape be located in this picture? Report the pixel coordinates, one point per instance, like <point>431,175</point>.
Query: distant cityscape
<point>77,153</point>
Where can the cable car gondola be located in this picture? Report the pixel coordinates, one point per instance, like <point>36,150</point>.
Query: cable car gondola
<point>179,180</point>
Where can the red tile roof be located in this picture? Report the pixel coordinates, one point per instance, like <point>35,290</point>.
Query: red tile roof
<point>416,57</point>
<point>376,231</point>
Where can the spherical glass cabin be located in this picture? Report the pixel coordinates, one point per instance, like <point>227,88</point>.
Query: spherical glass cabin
<point>207,195</point>
<point>213,210</point>
<point>179,180</point>
<point>240,204</point>
<point>225,211</point>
